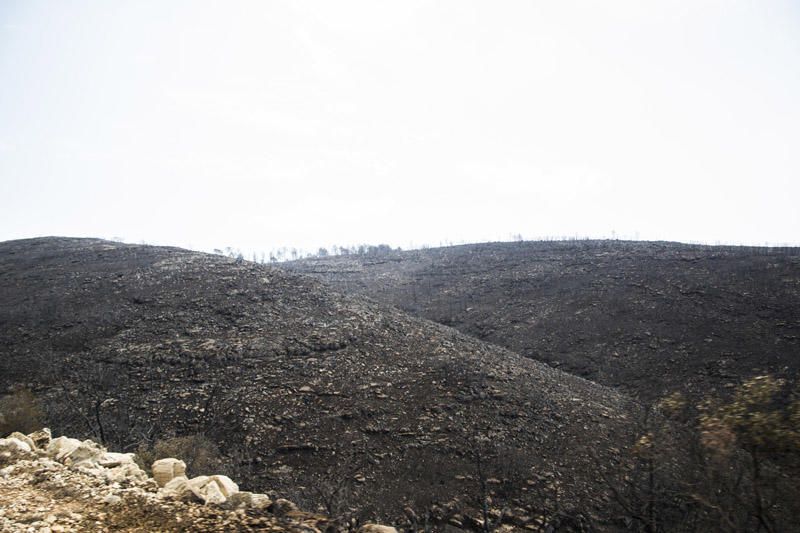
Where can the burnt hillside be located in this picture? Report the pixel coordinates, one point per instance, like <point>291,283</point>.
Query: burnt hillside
<point>644,317</point>
<point>303,388</point>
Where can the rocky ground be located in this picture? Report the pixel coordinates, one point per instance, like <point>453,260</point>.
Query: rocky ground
<point>648,318</point>
<point>65,485</point>
<point>331,400</point>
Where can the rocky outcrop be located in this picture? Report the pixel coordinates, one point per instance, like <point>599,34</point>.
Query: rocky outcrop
<point>67,485</point>
<point>169,474</point>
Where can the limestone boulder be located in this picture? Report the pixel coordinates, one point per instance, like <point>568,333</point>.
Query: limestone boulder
<point>125,474</point>
<point>113,459</point>
<point>213,489</point>
<point>165,470</point>
<point>178,489</point>
<point>210,493</point>
<point>376,528</point>
<point>60,448</point>
<point>248,500</point>
<point>75,453</point>
<point>24,438</point>
<point>88,452</point>
<point>226,485</point>
<point>13,450</point>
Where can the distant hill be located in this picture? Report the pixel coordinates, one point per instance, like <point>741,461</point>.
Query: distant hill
<point>308,391</point>
<point>644,317</point>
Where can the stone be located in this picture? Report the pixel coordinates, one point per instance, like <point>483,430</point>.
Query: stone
<point>112,459</point>
<point>248,500</point>
<point>213,489</point>
<point>165,470</point>
<point>24,438</point>
<point>282,507</point>
<point>87,453</point>
<point>376,528</point>
<point>41,439</point>
<point>226,485</point>
<point>259,501</point>
<point>210,493</point>
<point>129,473</point>
<point>60,448</point>
<point>112,499</point>
<point>13,450</point>
<point>178,489</point>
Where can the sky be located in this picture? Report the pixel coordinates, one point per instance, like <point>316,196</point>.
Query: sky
<point>256,125</point>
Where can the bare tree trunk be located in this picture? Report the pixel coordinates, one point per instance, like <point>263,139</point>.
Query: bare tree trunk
<point>97,417</point>
<point>651,496</point>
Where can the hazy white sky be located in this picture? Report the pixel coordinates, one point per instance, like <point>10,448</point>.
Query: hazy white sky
<point>259,124</point>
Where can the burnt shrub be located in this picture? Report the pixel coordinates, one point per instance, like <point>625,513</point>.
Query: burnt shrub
<point>200,454</point>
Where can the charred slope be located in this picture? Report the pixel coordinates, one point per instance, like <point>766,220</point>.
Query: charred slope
<point>646,317</point>
<point>305,389</point>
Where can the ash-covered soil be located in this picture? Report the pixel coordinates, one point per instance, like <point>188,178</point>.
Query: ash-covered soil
<point>303,388</point>
<point>649,318</point>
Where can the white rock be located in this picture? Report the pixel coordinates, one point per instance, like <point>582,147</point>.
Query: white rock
<point>112,459</point>
<point>164,470</point>
<point>87,452</point>
<point>376,528</point>
<point>213,489</point>
<point>60,448</point>
<point>249,500</point>
<point>125,473</point>
<point>177,489</point>
<point>211,493</point>
<point>259,501</point>
<point>16,444</point>
<point>226,485</point>
<point>13,450</point>
<point>24,438</point>
<point>112,499</point>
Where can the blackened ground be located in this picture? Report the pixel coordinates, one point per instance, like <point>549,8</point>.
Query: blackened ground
<point>303,388</point>
<point>645,317</point>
